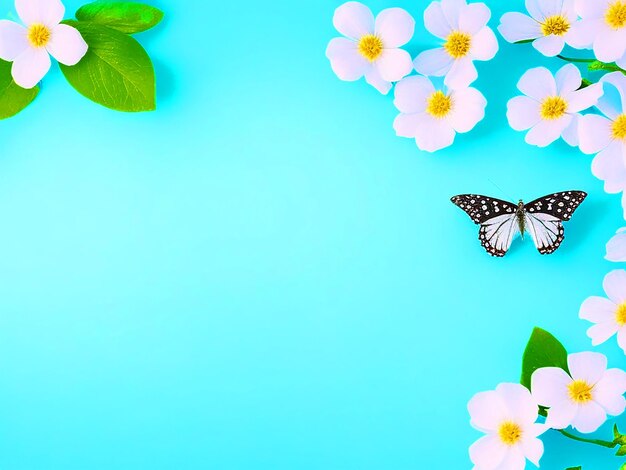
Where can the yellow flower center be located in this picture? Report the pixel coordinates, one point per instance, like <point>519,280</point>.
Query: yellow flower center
<point>370,47</point>
<point>580,391</point>
<point>38,35</point>
<point>616,14</point>
<point>619,129</point>
<point>553,107</point>
<point>556,25</point>
<point>510,433</point>
<point>458,44</point>
<point>438,104</point>
<point>620,314</point>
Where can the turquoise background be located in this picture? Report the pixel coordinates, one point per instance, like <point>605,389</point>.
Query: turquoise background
<point>261,275</point>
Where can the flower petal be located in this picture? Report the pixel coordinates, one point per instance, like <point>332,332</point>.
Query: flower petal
<point>594,132</point>
<point>587,366</point>
<point>394,64</point>
<point>523,113</point>
<point>616,247</point>
<point>66,45</point>
<point>540,9</point>
<point>597,309</point>
<point>621,339</point>
<point>609,392</point>
<point>614,85</point>
<point>568,79</point>
<point>484,45</point>
<point>452,10</point>
<point>589,418</point>
<point>345,59</point>
<point>614,285</point>
<point>352,19</point>
<point>593,9</point>
<point>474,18</point>
<point>549,385</point>
<point>601,332</point>
<point>47,12</point>
<point>533,449</point>
<point>12,40</point>
<point>372,76</point>
<point>395,27</point>
<point>513,460</point>
<point>30,67</point>
<point>516,27</point>
<point>433,134</point>
<point>461,74</point>
<point>468,110</point>
<point>546,132</point>
<point>608,166</point>
<point>433,62</point>
<point>537,83</point>
<point>610,45</point>
<point>405,125</point>
<point>561,414</point>
<point>487,452</point>
<point>436,22</point>
<point>584,98</point>
<point>521,405</point>
<point>487,410</point>
<point>411,94</point>
<point>570,133</point>
<point>582,33</point>
<point>549,45</point>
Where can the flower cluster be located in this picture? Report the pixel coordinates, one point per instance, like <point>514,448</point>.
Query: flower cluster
<point>431,113</point>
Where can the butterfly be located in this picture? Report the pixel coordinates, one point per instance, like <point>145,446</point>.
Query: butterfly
<point>500,221</point>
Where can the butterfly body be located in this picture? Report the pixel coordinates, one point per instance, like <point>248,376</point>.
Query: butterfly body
<point>501,221</point>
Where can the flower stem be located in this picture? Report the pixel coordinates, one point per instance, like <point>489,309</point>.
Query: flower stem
<point>571,59</point>
<point>598,442</point>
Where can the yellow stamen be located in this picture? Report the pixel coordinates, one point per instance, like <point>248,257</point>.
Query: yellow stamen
<point>619,129</point>
<point>458,44</point>
<point>556,25</point>
<point>38,35</point>
<point>370,47</point>
<point>620,314</point>
<point>510,433</point>
<point>553,108</point>
<point>580,391</point>
<point>438,104</point>
<point>616,15</point>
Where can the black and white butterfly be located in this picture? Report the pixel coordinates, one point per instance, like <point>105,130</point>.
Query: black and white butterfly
<point>500,221</point>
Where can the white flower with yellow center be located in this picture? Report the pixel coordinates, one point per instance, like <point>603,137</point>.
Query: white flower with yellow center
<point>466,36</point>
<point>602,27</point>
<point>548,26</point>
<point>608,315</point>
<point>551,105</point>
<point>507,416</point>
<point>30,47</point>
<point>583,398</point>
<point>433,116</point>
<point>371,46</point>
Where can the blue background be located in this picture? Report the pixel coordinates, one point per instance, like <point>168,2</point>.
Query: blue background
<point>261,275</point>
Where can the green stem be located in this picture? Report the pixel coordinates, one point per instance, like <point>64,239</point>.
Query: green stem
<point>598,442</point>
<point>571,59</point>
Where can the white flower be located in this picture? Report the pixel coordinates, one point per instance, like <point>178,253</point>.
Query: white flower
<point>607,134</point>
<point>549,25</point>
<point>608,315</point>
<point>30,47</point>
<point>616,247</point>
<point>507,416</point>
<point>467,38</point>
<point>583,397</point>
<point>433,117</point>
<point>551,104</point>
<point>603,27</point>
<point>371,47</point>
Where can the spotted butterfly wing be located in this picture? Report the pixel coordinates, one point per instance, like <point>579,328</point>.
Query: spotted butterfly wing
<point>543,218</point>
<point>497,219</point>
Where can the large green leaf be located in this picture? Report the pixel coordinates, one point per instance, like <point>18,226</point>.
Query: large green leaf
<point>13,98</point>
<point>116,72</point>
<point>542,350</point>
<point>127,17</point>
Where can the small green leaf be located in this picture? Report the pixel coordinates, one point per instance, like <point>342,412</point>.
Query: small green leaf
<point>13,98</point>
<point>542,350</point>
<point>574,468</point>
<point>127,17</point>
<point>116,72</point>
<point>524,41</point>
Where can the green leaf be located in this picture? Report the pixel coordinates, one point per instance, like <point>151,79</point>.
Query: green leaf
<point>116,72</point>
<point>13,98</point>
<point>574,468</point>
<point>542,350</point>
<point>127,17</point>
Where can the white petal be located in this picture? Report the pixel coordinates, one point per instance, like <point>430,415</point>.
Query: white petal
<point>66,45</point>
<point>405,125</point>
<point>538,83</point>
<point>549,45</point>
<point>589,418</point>
<point>609,44</point>
<point>394,64</point>
<point>487,410</point>
<point>608,166</point>
<point>601,332</point>
<point>614,85</point>
<point>13,40</point>
<point>395,27</point>
<point>561,414</point>
<point>433,134</point>
<point>487,452</point>
<point>518,400</point>
<point>47,12</point>
<point>570,133</point>
<point>568,79</point>
<point>582,33</point>
<point>452,9</point>
<point>474,18</point>
<point>484,45</point>
<point>533,449</point>
<point>411,94</point>
<point>540,9</point>
<point>549,385</point>
<point>345,59</point>
<point>594,132</point>
<point>587,366</point>
<point>614,285</point>
<point>597,309</point>
<point>372,76</point>
<point>546,132</point>
<point>513,460</point>
<point>616,247</point>
<point>523,113</point>
<point>591,8</point>
<point>584,98</point>
<point>609,392</point>
<point>436,22</point>
<point>568,10</point>
<point>353,19</point>
<point>461,74</point>
<point>621,339</point>
<point>516,27</point>
<point>30,67</point>
<point>433,62</point>
<point>469,109</point>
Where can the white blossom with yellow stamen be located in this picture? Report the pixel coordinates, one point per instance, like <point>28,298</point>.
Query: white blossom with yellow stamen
<point>583,398</point>
<point>371,47</point>
<point>507,416</point>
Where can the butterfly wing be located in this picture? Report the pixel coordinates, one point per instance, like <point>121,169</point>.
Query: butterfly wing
<point>544,217</point>
<point>497,220</point>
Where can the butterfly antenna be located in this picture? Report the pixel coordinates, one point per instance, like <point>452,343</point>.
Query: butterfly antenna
<point>501,191</point>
